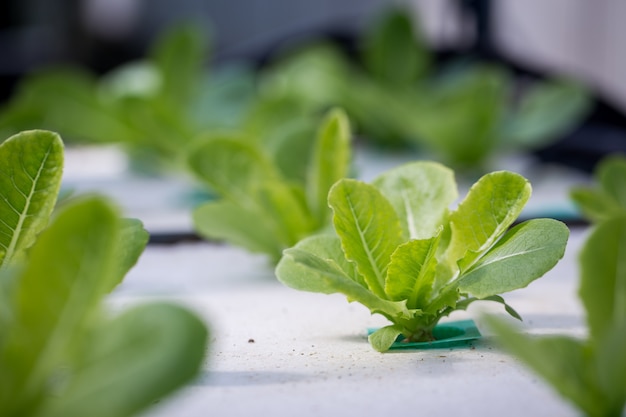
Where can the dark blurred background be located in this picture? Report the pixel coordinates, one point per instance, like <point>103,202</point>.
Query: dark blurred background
<point>102,34</point>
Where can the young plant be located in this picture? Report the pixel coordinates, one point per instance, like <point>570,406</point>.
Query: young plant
<point>261,208</point>
<point>401,252</point>
<point>153,107</point>
<point>396,97</point>
<point>589,372</point>
<point>319,75</point>
<point>608,198</point>
<point>61,352</point>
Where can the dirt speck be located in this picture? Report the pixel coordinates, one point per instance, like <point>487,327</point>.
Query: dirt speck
<point>250,340</point>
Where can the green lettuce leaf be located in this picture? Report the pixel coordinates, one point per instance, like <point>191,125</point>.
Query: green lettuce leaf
<point>229,221</point>
<point>603,276</point>
<point>421,194</point>
<point>285,212</point>
<point>131,243</point>
<point>31,167</point>
<point>368,227</point>
<point>611,173</point>
<point>610,363</point>
<point>459,116</point>
<point>330,163</point>
<point>383,338</point>
<point>67,101</point>
<point>490,207</point>
<point>68,272</point>
<point>394,52</point>
<point>595,204</point>
<point>547,111</point>
<point>289,144</point>
<point>590,373</point>
<point>412,272</point>
<point>59,355</point>
<point>607,198</point>
<point>179,56</point>
<point>525,253</point>
<point>230,166</point>
<point>317,264</point>
<point>143,354</point>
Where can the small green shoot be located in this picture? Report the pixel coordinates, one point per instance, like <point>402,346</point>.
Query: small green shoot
<point>589,372</point>
<point>61,352</point>
<point>401,252</point>
<point>608,198</point>
<point>261,207</point>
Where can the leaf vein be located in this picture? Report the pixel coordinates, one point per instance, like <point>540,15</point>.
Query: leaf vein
<point>23,214</point>
<point>370,256</point>
<point>511,255</point>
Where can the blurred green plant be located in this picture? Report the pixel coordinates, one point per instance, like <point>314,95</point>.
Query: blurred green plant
<point>463,113</point>
<point>392,91</point>
<point>399,251</point>
<point>395,38</point>
<point>589,372</point>
<point>61,352</point>
<point>154,107</point>
<point>269,196</point>
<point>607,198</point>
<point>471,114</point>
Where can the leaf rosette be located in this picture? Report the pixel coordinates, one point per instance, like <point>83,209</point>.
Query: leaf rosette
<point>400,250</point>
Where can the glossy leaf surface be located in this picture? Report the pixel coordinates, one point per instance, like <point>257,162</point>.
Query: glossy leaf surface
<point>317,264</point>
<point>525,253</point>
<point>368,228</point>
<point>421,193</point>
<point>31,167</point>
<point>490,207</point>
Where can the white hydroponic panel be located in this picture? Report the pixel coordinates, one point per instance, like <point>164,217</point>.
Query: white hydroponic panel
<point>280,352</point>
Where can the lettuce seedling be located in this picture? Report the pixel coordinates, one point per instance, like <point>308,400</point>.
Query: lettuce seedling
<point>61,352</point>
<point>396,97</point>
<point>589,372</point>
<point>153,107</point>
<point>401,252</point>
<point>31,168</point>
<point>608,198</point>
<point>260,208</point>
<point>319,75</point>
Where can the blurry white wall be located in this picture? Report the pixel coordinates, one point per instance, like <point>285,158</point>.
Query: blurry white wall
<point>585,39</point>
<point>581,38</point>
